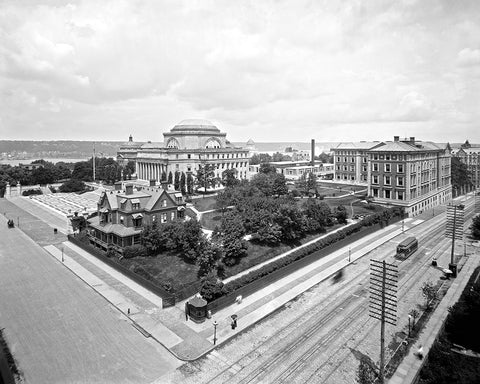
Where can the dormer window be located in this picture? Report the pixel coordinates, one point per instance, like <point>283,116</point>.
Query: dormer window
<point>137,219</point>
<point>135,204</point>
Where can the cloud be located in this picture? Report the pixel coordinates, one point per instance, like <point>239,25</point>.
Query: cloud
<point>260,69</point>
<point>468,57</point>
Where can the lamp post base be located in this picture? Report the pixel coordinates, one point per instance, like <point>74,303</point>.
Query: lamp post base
<point>453,268</point>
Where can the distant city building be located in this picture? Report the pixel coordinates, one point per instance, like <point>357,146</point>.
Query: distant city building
<point>408,173</point>
<point>123,213</point>
<point>188,146</point>
<point>470,156</point>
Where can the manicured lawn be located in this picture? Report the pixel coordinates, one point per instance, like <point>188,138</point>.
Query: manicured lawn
<point>211,219</point>
<point>165,268</point>
<point>259,253</point>
<point>205,203</point>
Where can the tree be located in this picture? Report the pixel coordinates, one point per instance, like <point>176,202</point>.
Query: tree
<point>208,258</point>
<point>279,187</point>
<point>318,215</point>
<point>475,227</point>
<point>259,158</point>
<point>301,184</point>
<point>72,185</point>
<point>164,176</point>
<point>151,239</point>
<point>78,222</point>
<point>43,176</point>
<point>229,178</point>
<point>429,292</point>
<point>460,176</point>
<point>212,288</point>
<point>183,183</point>
<point>311,182</point>
<point>176,181</point>
<point>324,158</point>
<point>83,171</point>
<point>170,178</point>
<point>366,372</point>
<point>205,176</point>
<point>189,238</point>
<point>291,222</point>
<point>267,168</point>
<point>341,214</point>
<point>190,184</point>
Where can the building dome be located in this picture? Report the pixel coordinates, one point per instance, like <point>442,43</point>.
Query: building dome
<point>198,125</point>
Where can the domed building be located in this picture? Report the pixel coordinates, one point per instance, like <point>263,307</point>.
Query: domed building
<point>188,146</point>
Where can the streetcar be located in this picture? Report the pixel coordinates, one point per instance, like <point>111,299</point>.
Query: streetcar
<point>407,247</point>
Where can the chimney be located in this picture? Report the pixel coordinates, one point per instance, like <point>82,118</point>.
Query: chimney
<point>130,138</point>
<point>313,152</point>
<point>396,138</point>
<point>412,139</point>
<point>129,189</point>
<point>118,186</point>
<point>164,185</point>
<point>153,183</point>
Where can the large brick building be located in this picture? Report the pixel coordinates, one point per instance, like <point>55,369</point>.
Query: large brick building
<point>412,174</point>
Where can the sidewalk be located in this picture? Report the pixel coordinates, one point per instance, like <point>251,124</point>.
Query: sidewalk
<point>411,365</point>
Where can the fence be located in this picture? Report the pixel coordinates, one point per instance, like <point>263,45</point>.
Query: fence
<point>280,273</point>
<point>168,299</point>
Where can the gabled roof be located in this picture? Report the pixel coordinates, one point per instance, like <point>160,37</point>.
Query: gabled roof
<point>359,145</point>
<point>401,146</point>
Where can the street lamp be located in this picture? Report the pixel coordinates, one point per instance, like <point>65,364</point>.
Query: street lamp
<point>349,254</point>
<point>215,332</point>
<point>62,256</point>
<point>409,328</point>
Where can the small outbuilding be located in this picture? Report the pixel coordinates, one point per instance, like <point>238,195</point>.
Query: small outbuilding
<point>197,309</point>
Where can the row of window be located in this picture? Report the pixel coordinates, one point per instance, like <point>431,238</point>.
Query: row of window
<point>388,194</point>
<point>387,180</point>
<point>387,167</point>
<point>217,156</point>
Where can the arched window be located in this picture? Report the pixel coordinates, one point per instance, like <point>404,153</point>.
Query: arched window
<point>172,143</point>
<point>212,143</point>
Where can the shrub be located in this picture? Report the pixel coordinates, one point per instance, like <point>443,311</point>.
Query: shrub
<point>134,251</point>
<point>32,192</point>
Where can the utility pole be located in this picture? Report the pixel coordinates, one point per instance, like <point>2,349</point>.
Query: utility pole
<point>383,301</point>
<point>93,161</point>
<point>454,229</point>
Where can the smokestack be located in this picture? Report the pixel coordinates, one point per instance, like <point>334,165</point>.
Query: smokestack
<point>313,152</point>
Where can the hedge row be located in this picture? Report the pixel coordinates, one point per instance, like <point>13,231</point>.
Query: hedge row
<point>305,251</point>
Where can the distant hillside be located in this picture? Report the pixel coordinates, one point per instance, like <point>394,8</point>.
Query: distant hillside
<point>84,149</point>
<point>73,149</point>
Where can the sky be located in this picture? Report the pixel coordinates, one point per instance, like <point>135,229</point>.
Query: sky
<point>263,70</point>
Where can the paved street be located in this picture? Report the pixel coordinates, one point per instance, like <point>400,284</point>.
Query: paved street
<point>60,330</point>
